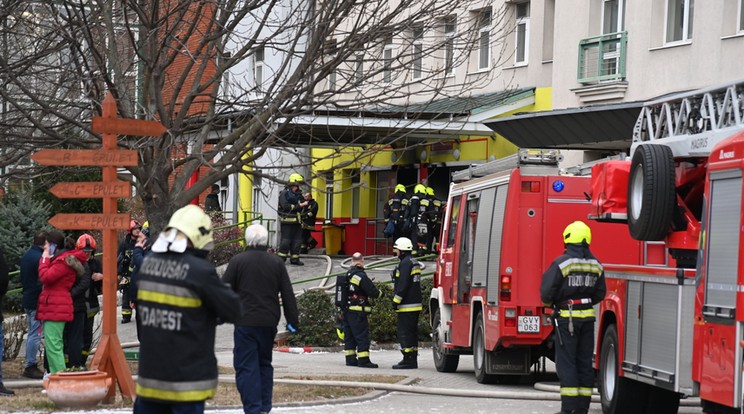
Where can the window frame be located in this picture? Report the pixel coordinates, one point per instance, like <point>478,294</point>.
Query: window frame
<point>450,32</point>
<point>259,54</point>
<point>484,31</point>
<point>519,21</point>
<point>740,18</point>
<point>688,7</point>
<point>417,55</point>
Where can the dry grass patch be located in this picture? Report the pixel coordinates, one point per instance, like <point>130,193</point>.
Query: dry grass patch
<point>32,399</point>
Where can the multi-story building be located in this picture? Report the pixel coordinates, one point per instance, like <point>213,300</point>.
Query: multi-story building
<point>579,69</point>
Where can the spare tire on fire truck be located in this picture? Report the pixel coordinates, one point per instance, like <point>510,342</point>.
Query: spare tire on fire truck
<point>651,192</point>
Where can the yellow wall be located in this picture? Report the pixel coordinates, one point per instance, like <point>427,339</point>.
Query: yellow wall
<point>342,161</point>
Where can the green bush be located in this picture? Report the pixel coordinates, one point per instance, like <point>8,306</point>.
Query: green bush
<point>382,320</point>
<point>317,318</point>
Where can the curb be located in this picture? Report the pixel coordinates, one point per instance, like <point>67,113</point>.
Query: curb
<point>312,349</point>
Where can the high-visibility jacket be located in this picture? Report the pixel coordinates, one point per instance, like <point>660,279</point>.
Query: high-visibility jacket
<point>289,205</point>
<point>574,282</point>
<point>407,284</point>
<point>360,289</point>
<point>180,300</point>
<point>396,207</point>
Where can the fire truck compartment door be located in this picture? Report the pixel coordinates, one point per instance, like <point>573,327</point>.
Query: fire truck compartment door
<point>658,331</point>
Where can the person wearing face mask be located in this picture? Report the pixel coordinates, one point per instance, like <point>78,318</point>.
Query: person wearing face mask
<point>407,300</point>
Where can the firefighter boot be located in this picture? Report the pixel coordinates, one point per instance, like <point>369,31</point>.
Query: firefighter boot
<point>364,362</point>
<point>351,361</point>
<point>410,361</point>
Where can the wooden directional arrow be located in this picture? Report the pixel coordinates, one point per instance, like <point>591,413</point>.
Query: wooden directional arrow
<point>112,158</point>
<point>132,127</point>
<point>95,189</point>
<point>90,221</point>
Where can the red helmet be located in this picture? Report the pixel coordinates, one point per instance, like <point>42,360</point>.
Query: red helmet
<point>134,224</point>
<point>86,242</point>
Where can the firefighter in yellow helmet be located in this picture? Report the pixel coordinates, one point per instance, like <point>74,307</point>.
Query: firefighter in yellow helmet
<point>572,285</point>
<point>395,213</point>
<point>416,218</point>
<point>434,220</point>
<point>291,203</point>
<point>180,299</point>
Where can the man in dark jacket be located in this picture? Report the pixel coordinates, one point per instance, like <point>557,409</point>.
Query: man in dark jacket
<point>407,302</point>
<point>573,284</point>
<point>124,268</point>
<point>94,270</point>
<point>309,213</point>
<point>259,278</point>
<point>31,291</point>
<point>180,301</point>
<point>356,288</point>
<point>395,211</point>
<point>74,330</point>
<point>4,280</point>
<point>291,203</point>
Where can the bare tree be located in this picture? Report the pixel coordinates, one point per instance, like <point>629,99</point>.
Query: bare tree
<point>229,79</point>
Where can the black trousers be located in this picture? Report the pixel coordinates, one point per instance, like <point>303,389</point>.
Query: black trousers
<point>408,331</point>
<point>432,233</point>
<point>73,339</point>
<point>291,241</point>
<point>126,310</point>
<point>356,332</point>
<point>573,361</point>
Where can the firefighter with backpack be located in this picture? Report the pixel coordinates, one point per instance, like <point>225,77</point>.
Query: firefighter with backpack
<point>573,284</point>
<point>353,291</point>
<point>417,217</point>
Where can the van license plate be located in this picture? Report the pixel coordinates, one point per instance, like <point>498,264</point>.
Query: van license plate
<point>528,324</point>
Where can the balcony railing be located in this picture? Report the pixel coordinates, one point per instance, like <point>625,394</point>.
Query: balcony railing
<point>602,58</point>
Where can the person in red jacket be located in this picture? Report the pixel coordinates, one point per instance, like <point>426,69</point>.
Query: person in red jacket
<point>58,269</point>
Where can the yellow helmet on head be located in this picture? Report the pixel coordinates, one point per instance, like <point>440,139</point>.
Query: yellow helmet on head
<point>576,233</point>
<point>419,189</point>
<point>400,187</point>
<point>296,178</point>
<point>429,191</point>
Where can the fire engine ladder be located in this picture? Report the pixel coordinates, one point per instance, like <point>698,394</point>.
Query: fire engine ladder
<point>545,158</point>
<point>692,123</point>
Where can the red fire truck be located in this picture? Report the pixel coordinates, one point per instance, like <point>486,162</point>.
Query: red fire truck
<point>502,228</point>
<point>675,328</point>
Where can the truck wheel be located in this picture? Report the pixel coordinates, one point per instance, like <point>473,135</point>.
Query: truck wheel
<point>651,192</point>
<point>618,395</point>
<point>479,354</point>
<point>442,361</point>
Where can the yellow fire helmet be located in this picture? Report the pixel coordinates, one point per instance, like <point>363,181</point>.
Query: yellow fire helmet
<point>296,178</point>
<point>400,187</point>
<point>189,222</point>
<point>430,191</point>
<point>419,189</point>
<point>577,232</point>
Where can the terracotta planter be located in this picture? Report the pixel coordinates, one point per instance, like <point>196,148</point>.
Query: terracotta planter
<point>82,389</point>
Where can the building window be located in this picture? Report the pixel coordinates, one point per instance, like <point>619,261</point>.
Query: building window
<point>523,32</point>
<point>613,16</point>
<point>484,39</point>
<point>257,194</point>
<point>387,60</point>
<point>359,69</point>
<point>679,20</point>
<point>329,196</point>
<point>355,193</point>
<point>331,50</point>
<point>450,29</point>
<point>740,22</point>
<point>418,52</point>
<point>258,66</point>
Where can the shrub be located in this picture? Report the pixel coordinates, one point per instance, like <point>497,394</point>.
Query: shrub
<point>317,318</point>
<point>382,320</point>
<point>228,241</point>
<point>14,330</point>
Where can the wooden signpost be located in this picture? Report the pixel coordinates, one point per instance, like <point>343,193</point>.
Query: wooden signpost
<point>109,356</point>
